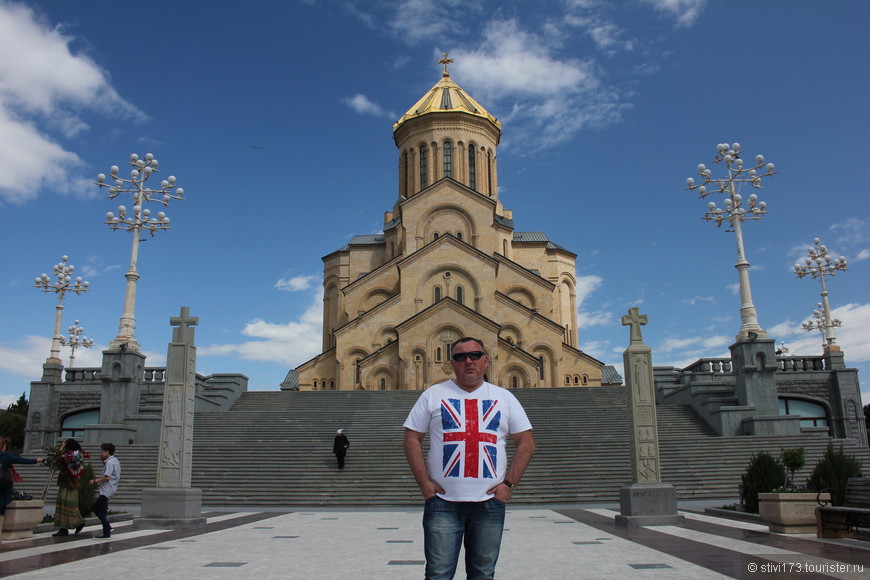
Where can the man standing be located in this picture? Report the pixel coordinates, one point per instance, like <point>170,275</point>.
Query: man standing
<point>339,447</point>
<point>465,480</point>
<point>108,486</point>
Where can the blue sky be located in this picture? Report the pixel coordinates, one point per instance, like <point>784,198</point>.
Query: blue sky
<point>606,107</point>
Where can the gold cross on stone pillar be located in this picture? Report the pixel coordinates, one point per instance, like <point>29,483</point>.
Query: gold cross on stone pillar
<point>445,61</point>
<point>636,320</point>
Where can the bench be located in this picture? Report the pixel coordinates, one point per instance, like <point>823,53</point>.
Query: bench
<point>844,521</point>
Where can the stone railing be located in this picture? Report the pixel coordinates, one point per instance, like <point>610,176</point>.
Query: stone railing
<point>92,375</point>
<point>155,375</point>
<point>785,363</point>
<point>720,366</point>
<point>82,375</point>
<point>801,363</point>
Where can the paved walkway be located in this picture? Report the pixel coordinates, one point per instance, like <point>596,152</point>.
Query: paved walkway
<point>557,543</point>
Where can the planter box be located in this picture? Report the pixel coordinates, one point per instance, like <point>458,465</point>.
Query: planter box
<point>790,513</point>
<point>21,517</point>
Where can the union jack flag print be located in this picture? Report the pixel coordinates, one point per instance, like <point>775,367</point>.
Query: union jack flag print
<point>470,436</point>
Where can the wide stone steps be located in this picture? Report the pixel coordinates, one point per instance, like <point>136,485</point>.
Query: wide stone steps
<point>275,449</point>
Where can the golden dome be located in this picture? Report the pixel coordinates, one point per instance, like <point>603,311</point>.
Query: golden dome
<point>446,97</point>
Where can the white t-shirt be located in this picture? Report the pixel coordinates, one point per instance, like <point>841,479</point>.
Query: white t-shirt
<point>467,436</point>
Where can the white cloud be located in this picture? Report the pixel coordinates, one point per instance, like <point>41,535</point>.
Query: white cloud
<point>862,255</point>
<point>852,337</point>
<point>597,318</point>
<point>42,88</point>
<point>679,343</point>
<point>362,105</point>
<point>297,283</point>
<point>547,99</point>
<point>697,299</point>
<point>290,343</point>
<point>586,285</point>
<point>686,12</point>
<point>849,232</point>
<point>422,20</point>
<point>25,357</point>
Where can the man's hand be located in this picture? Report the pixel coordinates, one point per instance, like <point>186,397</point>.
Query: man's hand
<point>413,444</point>
<point>501,492</point>
<point>430,488</point>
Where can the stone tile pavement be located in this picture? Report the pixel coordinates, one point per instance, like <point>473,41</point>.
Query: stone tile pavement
<point>550,542</point>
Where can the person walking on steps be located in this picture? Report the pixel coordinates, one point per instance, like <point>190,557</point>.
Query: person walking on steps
<point>339,447</point>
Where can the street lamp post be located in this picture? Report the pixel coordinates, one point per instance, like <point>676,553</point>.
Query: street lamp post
<point>75,340</point>
<point>64,283</point>
<point>819,264</point>
<point>818,322</point>
<point>735,212</point>
<point>140,219</point>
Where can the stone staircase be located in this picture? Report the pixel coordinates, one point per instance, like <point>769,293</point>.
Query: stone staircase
<point>274,449</point>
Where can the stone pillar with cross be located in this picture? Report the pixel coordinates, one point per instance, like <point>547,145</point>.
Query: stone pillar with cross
<point>646,501</point>
<point>173,503</point>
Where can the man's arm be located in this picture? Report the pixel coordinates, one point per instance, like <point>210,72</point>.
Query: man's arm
<point>524,443</point>
<point>413,444</point>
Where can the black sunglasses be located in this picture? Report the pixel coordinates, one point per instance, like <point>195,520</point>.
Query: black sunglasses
<point>473,355</point>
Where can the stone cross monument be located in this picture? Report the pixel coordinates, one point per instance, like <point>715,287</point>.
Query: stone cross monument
<point>173,503</point>
<point>646,501</point>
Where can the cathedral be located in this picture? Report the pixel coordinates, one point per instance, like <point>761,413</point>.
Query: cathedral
<point>449,264</point>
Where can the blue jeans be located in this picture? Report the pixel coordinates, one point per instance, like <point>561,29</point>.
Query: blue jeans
<point>446,523</point>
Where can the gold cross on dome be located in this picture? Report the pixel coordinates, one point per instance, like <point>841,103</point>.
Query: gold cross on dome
<point>445,61</point>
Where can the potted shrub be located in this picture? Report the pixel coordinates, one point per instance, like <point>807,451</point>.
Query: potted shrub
<point>790,510</point>
<point>22,515</point>
<point>763,474</point>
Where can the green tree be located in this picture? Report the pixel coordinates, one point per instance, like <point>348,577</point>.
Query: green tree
<point>12,423</point>
<point>763,474</point>
<point>833,472</point>
<point>793,459</point>
<point>19,406</point>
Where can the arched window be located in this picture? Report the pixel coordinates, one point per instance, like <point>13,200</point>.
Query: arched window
<point>424,165</point>
<point>812,414</point>
<point>437,293</point>
<point>515,382</point>
<point>435,236</point>
<point>447,155</point>
<point>585,379</point>
<point>567,380</point>
<point>332,385</point>
<point>472,169</point>
<point>458,235</point>
<point>315,385</point>
<point>576,380</point>
<point>489,172</point>
<point>437,354</point>
<point>405,174</point>
<point>460,294</point>
<point>357,370</point>
<point>383,384</point>
<point>541,367</point>
<point>74,425</point>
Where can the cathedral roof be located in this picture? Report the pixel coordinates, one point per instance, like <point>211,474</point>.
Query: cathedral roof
<point>446,97</point>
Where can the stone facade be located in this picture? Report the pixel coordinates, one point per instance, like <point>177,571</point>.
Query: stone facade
<point>448,264</point>
<point>747,393</point>
<point>129,408</point>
